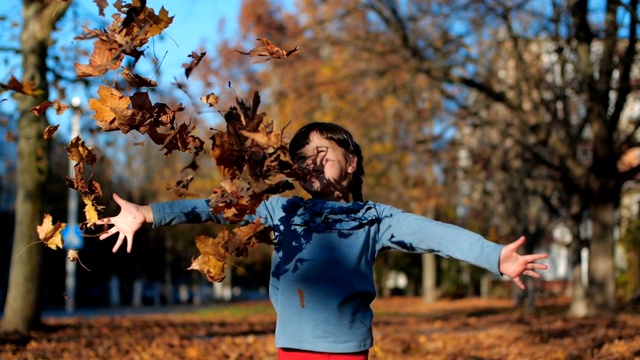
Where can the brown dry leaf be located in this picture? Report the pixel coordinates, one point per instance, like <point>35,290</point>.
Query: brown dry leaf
<point>49,233</point>
<point>60,107</point>
<point>49,131</point>
<point>90,211</point>
<point>110,101</point>
<point>181,187</point>
<point>73,256</point>
<point>247,236</point>
<point>269,51</point>
<point>210,99</point>
<point>213,259</point>
<point>40,109</point>
<point>24,87</point>
<point>102,4</point>
<point>77,151</point>
<point>196,58</point>
<point>137,80</point>
<point>106,56</point>
<point>10,136</point>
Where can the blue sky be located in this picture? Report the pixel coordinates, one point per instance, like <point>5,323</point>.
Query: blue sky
<point>195,22</point>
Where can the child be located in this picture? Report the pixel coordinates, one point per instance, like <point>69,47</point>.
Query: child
<point>322,281</point>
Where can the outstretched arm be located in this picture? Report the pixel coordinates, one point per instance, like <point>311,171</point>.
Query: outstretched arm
<point>127,222</point>
<point>513,265</point>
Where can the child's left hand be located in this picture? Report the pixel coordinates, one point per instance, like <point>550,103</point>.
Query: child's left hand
<point>513,265</point>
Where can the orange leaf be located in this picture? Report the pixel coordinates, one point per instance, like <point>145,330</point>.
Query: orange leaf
<point>77,151</point>
<point>25,87</point>
<point>49,131</point>
<point>110,100</point>
<point>49,233</point>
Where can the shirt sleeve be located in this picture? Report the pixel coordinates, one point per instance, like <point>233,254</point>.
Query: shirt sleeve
<point>407,232</point>
<point>190,211</point>
<point>196,211</point>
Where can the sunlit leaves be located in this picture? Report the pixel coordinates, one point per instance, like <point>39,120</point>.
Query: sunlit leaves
<point>268,51</point>
<point>50,233</point>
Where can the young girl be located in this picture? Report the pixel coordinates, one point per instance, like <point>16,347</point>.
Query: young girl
<point>322,281</point>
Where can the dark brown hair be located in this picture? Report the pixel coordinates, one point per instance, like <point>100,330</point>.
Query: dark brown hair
<point>343,138</point>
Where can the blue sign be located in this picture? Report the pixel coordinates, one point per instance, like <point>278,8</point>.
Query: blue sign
<point>72,236</point>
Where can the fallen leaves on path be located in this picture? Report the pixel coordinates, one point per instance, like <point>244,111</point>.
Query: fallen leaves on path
<point>404,328</point>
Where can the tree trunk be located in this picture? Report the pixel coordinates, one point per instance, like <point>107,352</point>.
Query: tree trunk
<point>23,308</point>
<point>601,287</point>
<point>429,278</point>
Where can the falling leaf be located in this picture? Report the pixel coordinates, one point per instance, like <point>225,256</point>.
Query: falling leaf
<point>49,233</point>
<point>106,56</point>
<point>73,256</point>
<point>90,211</point>
<point>10,136</point>
<point>210,99</point>
<point>40,109</point>
<point>24,87</point>
<point>269,50</point>
<point>110,100</point>
<point>300,297</point>
<point>212,261</point>
<point>102,4</point>
<point>49,131</point>
<point>188,68</point>
<point>137,80</point>
<point>77,151</point>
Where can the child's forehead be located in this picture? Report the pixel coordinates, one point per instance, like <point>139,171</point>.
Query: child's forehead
<point>316,140</point>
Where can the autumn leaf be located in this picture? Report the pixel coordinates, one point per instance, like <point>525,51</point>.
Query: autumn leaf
<point>49,131</point>
<point>77,151</point>
<point>50,234</point>
<point>210,99</point>
<point>137,80</point>
<point>102,4</point>
<point>268,50</point>
<point>110,100</point>
<point>57,105</point>
<point>24,87</point>
<point>73,256</point>
<point>196,58</point>
<point>90,211</point>
<point>213,256</point>
<point>106,56</point>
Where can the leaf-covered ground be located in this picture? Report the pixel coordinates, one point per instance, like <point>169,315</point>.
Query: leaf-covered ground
<point>405,328</point>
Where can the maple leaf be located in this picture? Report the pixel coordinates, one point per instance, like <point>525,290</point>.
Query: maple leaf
<point>106,56</point>
<point>245,237</point>
<point>268,50</point>
<point>57,105</point>
<point>181,187</point>
<point>49,131</point>
<point>110,101</point>
<point>137,80</point>
<point>49,233</point>
<point>24,87</point>
<point>90,211</point>
<point>188,68</point>
<point>213,256</point>
<point>77,151</point>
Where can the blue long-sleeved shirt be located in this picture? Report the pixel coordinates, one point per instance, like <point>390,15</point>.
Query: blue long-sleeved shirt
<point>322,281</point>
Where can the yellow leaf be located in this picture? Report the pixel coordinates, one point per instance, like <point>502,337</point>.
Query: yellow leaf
<point>49,233</point>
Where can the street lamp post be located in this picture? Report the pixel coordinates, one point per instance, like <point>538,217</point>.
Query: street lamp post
<point>72,213</point>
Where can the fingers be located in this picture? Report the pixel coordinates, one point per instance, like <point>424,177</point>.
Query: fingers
<point>118,243</point>
<point>108,233</point>
<point>518,282</point>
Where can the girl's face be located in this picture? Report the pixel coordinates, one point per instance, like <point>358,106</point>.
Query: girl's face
<point>330,167</point>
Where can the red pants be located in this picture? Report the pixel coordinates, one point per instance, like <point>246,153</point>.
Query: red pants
<point>291,354</point>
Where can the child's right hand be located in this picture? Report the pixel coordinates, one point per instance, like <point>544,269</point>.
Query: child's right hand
<point>126,223</point>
